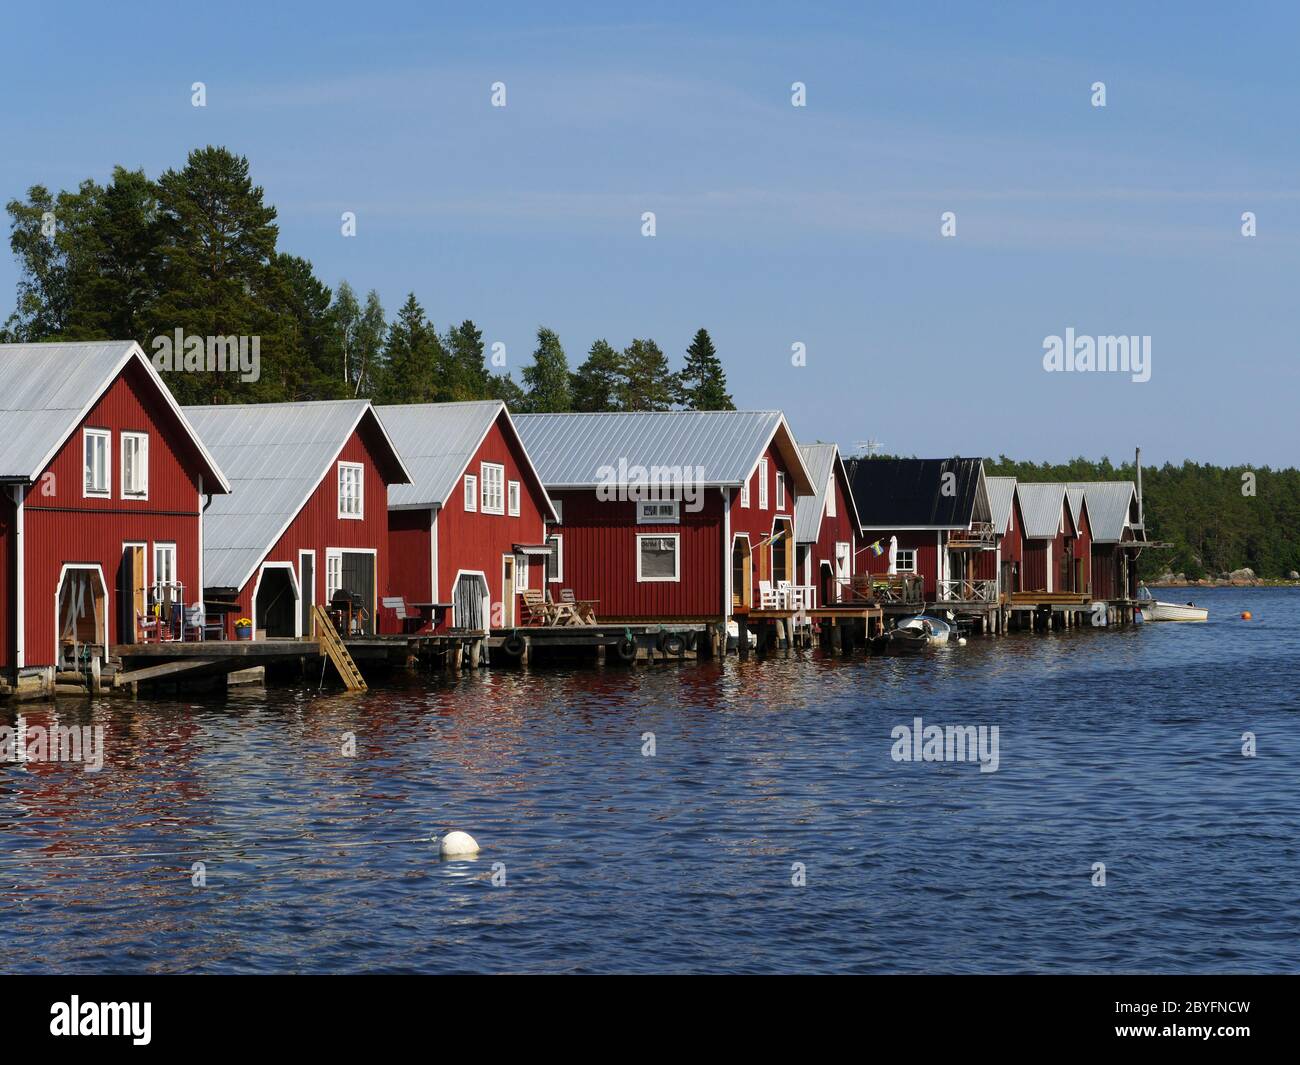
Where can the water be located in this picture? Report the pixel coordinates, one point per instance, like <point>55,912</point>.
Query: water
<point>1120,746</point>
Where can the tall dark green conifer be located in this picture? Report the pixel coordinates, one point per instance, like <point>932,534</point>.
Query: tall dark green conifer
<point>412,358</point>
<point>703,381</point>
<point>599,382</point>
<point>650,384</point>
<point>468,376</point>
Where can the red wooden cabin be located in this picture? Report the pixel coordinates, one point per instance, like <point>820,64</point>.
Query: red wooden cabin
<point>1007,523</point>
<point>307,516</point>
<point>1117,537</point>
<point>469,531</point>
<point>104,485</point>
<point>671,516</point>
<point>827,527</point>
<point>936,512</point>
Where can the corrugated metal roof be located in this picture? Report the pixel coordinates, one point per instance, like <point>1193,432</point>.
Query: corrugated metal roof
<point>46,389</point>
<point>1040,506</point>
<point>275,455</point>
<point>1108,507</point>
<point>436,441</point>
<point>1074,496</point>
<point>575,450</point>
<point>820,459</point>
<point>1002,491</point>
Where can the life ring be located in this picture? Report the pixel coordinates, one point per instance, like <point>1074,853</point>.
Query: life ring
<point>626,649</point>
<point>672,643</point>
<point>514,645</point>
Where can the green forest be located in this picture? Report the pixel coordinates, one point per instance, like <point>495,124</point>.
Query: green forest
<point>1217,518</point>
<point>197,250</point>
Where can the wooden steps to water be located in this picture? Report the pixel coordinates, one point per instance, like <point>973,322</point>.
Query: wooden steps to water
<point>336,651</point>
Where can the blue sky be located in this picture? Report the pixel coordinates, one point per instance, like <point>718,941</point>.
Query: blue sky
<point>776,225</point>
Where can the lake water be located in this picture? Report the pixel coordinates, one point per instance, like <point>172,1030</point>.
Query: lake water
<point>1119,746</point>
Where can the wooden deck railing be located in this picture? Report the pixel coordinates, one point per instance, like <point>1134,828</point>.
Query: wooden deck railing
<point>981,536</point>
<point>968,591</point>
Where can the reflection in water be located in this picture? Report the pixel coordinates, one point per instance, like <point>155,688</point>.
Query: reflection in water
<point>1120,746</point>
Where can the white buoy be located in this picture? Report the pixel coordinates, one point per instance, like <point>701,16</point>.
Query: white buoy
<point>961,641</point>
<point>457,845</point>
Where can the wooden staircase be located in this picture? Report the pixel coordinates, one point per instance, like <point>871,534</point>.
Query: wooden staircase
<point>331,645</point>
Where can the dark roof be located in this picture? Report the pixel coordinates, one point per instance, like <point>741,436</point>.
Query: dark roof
<point>908,493</point>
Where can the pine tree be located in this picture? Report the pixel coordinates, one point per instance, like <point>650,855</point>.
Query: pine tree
<point>600,380</point>
<point>650,384</point>
<point>412,358</point>
<point>468,374</point>
<point>505,388</point>
<point>703,382</point>
<point>547,379</point>
<point>308,369</point>
<point>217,273</point>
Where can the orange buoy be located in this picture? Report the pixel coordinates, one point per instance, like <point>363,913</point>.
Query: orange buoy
<point>1245,615</point>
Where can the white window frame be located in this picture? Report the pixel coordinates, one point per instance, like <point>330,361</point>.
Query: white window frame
<point>471,492</point>
<point>744,494</point>
<point>106,435</point>
<point>762,484</point>
<point>162,548</point>
<point>558,504</point>
<point>648,512</point>
<point>521,573</point>
<point>333,571</point>
<point>487,504</point>
<point>898,560</point>
<point>556,540</point>
<point>349,467</point>
<point>843,551</point>
<point>512,498</point>
<point>676,538</point>
<point>142,465</point>
<point>780,490</point>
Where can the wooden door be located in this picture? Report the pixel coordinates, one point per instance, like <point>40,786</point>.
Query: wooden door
<point>508,591</point>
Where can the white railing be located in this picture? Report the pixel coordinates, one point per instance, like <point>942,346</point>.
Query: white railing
<point>964,591</point>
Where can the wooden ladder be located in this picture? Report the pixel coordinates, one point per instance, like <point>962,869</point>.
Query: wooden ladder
<point>331,645</point>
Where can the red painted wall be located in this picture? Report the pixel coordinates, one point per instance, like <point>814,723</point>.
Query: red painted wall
<point>600,556</point>
<point>472,540</point>
<point>922,541</point>
<point>410,558</point>
<point>60,527</point>
<point>8,572</point>
<point>1083,548</point>
<point>758,521</point>
<point>317,525</point>
<point>839,529</point>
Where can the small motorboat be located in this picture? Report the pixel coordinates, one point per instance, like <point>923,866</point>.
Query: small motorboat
<point>935,631</point>
<point>1154,609</point>
<point>906,641</point>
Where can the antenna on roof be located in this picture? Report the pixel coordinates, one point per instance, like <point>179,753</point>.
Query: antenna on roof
<point>869,446</point>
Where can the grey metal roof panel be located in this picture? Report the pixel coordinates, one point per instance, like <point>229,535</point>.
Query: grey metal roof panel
<point>1002,492</point>
<point>571,450</point>
<point>436,441</point>
<point>820,459</point>
<point>47,388</point>
<point>1109,503</point>
<point>274,454</point>
<point>1040,506</point>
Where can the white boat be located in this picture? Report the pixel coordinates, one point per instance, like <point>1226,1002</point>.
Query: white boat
<point>936,631</point>
<point>1155,610</point>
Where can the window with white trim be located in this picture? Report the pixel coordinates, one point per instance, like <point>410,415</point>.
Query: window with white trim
<point>352,495</point>
<point>744,493</point>
<point>762,484</point>
<point>657,558</point>
<point>657,513</point>
<point>780,490</point>
<point>164,566</point>
<point>906,560</point>
<point>471,492</point>
<point>555,560</point>
<point>512,498</point>
<point>558,504</point>
<point>97,452</point>
<point>521,572</point>
<point>135,465</point>
<point>333,573</point>
<point>492,486</point>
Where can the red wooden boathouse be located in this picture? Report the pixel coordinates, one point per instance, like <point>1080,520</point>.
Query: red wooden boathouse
<point>307,515</point>
<point>827,528</point>
<point>470,529</point>
<point>104,486</point>
<point>671,516</point>
<point>1118,535</point>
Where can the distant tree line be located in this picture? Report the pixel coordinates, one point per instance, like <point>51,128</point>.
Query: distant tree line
<point>196,250</point>
<point>1217,518</point>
